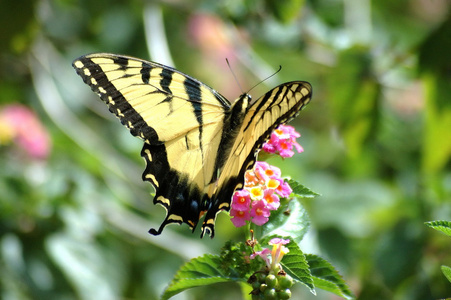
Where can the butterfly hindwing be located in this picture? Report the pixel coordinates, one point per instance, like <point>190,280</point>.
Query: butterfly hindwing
<point>197,146</point>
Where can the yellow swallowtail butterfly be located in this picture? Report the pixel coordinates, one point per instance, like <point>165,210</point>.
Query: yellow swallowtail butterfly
<point>197,145</point>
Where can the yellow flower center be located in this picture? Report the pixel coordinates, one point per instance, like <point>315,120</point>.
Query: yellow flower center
<point>273,184</point>
<point>256,193</point>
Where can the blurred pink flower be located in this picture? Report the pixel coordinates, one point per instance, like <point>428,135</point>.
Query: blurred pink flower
<point>21,125</point>
<point>213,38</point>
<point>210,33</point>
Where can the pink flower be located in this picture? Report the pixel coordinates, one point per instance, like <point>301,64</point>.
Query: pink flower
<point>271,145</point>
<point>278,250</point>
<point>264,255</point>
<point>282,141</point>
<point>265,171</point>
<point>272,201</point>
<point>259,212</point>
<point>277,253</point>
<point>284,189</point>
<point>241,200</point>
<point>239,217</point>
<point>25,129</point>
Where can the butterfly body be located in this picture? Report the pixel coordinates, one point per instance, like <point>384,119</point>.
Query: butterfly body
<point>197,145</point>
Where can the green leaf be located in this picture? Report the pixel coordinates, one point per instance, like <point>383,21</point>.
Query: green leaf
<point>291,220</point>
<point>300,190</point>
<point>200,271</point>
<point>295,264</point>
<point>326,277</point>
<point>447,272</point>
<point>442,226</point>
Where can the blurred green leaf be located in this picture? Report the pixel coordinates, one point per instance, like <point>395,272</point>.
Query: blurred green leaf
<point>354,104</point>
<point>435,65</point>
<point>434,56</point>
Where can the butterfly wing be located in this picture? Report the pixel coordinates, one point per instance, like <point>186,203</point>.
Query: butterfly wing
<point>180,119</point>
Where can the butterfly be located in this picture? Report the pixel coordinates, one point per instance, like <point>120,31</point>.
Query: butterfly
<point>197,145</point>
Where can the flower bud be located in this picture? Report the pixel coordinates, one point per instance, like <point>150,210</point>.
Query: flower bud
<point>271,280</point>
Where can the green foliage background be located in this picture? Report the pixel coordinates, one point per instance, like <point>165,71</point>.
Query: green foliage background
<point>376,137</point>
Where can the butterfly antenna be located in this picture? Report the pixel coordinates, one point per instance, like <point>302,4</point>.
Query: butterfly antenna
<point>280,68</point>
<point>234,76</point>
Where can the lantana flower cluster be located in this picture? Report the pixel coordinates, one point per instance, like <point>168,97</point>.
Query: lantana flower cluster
<point>261,192</point>
<point>263,185</point>
<point>282,141</point>
<point>262,189</point>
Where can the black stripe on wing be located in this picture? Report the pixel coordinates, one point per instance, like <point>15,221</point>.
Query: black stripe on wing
<point>93,75</point>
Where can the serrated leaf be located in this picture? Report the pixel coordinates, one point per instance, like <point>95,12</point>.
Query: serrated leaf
<point>447,272</point>
<point>442,226</point>
<point>295,264</point>
<point>326,277</point>
<point>291,220</point>
<point>300,190</point>
<point>199,271</point>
